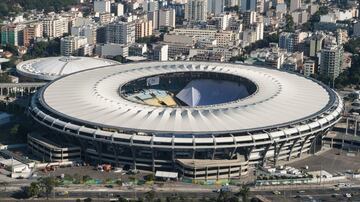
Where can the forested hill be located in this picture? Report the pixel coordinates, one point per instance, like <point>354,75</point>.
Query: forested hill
<point>8,7</point>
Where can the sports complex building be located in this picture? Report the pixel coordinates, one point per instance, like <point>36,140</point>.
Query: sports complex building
<point>51,68</point>
<point>203,120</point>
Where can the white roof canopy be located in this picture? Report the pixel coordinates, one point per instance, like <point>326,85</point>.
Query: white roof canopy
<point>281,98</point>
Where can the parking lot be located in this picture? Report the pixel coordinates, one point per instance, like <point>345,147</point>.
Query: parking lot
<point>332,161</point>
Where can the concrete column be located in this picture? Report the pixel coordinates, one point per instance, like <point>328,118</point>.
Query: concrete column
<point>153,159</point>
<point>116,154</point>
<point>206,173</point>
<point>302,145</point>
<point>99,150</point>
<point>292,147</point>
<point>355,128</point>
<point>347,126</point>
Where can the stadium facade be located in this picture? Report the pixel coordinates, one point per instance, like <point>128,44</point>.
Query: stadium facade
<point>162,116</point>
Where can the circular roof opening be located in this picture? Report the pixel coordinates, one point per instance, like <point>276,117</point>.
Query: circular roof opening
<point>188,89</point>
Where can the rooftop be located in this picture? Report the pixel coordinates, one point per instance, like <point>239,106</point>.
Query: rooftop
<point>53,67</point>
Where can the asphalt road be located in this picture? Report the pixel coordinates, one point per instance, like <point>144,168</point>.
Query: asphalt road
<point>306,194</point>
<point>312,195</point>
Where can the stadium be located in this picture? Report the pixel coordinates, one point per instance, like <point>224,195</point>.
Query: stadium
<point>50,68</point>
<point>202,120</point>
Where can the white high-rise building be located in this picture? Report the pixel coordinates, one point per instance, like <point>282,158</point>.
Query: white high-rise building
<point>71,44</point>
<point>55,26</point>
<point>259,31</point>
<point>143,28</point>
<point>294,5</point>
<point>154,17</point>
<point>88,31</point>
<point>231,3</point>
<point>309,68</point>
<point>196,10</point>
<point>166,18</point>
<point>216,6</point>
<point>152,5</point>
<point>331,61</point>
<point>119,8</point>
<point>102,6</point>
<point>249,17</point>
<point>161,52</point>
<point>120,32</point>
<point>247,5</point>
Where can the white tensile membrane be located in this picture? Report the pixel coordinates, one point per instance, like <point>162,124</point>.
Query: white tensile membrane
<point>202,92</point>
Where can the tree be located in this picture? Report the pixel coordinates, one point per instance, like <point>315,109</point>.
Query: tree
<point>33,190</point>
<point>8,65</point>
<point>4,9</point>
<point>47,185</point>
<point>122,199</point>
<point>4,184</point>
<point>4,78</point>
<point>150,195</point>
<point>148,40</point>
<point>14,130</point>
<point>120,58</point>
<point>47,5</point>
<point>11,48</point>
<point>272,38</point>
<point>223,196</point>
<point>44,49</point>
<point>289,27</point>
<point>244,193</point>
<point>87,200</point>
<point>86,178</point>
<point>150,177</point>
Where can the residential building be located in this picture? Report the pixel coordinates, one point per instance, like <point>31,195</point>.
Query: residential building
<point>166,18</point>
<point>88,31</point>
<point>356,29</point>
<point>151,5</point>
<point>70,45</point>
<point>249,18</point>
<point>161,52</point>
<point>331,61</point>
<point>143,28</point>
<point>55,26</point>
<point>295,5</point>
<point>102,6</point>
<point>309,68</point>
<point>12,34</point>
<point>120,32</point>
<point>223,38</point>
<point>316,43</point>
<point>137,49</point>
<point>216,7</point>
<point>112,49</point>
<point>300,17</point>
<point>288,41</point>
<point>117,9</point>
<point>32,31</point>
<point>248,5</point>
<point>196,10</point>
<point>105,18</point>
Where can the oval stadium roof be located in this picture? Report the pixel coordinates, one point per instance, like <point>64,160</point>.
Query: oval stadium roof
<point>281,99</point>
<point>51,68</point>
